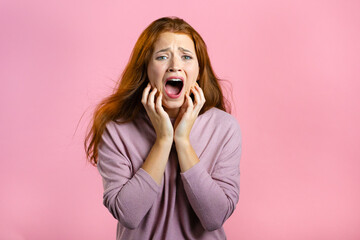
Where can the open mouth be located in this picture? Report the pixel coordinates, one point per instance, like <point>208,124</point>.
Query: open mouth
<point>173,87</point>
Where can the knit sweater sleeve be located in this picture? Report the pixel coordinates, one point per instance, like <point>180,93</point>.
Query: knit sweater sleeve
<point>127,195</point>
<point>213,196</point>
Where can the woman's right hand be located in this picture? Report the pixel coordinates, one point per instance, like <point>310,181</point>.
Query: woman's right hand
<point>159,118</point>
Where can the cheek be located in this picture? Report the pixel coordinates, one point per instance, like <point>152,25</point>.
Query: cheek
<point>153,75</point>
<point>194,73</point>
<point>189,84</point>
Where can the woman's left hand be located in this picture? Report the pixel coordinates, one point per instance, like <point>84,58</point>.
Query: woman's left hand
<point>188,113</point>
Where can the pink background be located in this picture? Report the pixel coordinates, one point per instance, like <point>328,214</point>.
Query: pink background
<point>294,68</point>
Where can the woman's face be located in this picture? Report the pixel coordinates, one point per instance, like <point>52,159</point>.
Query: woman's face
<point>173,69</point>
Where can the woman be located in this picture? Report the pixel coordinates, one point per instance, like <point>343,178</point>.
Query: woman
<point>167,150</point>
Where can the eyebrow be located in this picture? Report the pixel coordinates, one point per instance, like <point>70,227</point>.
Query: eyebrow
<point>180,48</point>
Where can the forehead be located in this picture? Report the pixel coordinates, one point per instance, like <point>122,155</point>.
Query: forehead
<point>167,39</point>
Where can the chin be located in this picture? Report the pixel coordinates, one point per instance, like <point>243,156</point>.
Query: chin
<point>173,104</point>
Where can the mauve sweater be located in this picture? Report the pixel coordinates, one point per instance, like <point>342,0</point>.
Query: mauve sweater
<point>189,205</point>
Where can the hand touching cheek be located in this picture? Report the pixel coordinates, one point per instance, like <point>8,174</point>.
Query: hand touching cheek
<point>159,118</point>
<point>188,114</point>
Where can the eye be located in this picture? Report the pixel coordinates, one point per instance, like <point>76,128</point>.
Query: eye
<point>161,57</point>
<point>187,57</point>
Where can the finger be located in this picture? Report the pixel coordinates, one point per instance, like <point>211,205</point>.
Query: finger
<point>199,100</point>
<point>184,106</point>
<point>197,95</point>
<point>145,94</point>
<point>151,97</point>
<point>202,96</point>
<point>158,105</point>
<point>190,104</point>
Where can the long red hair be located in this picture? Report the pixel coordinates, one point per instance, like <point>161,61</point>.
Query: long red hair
<point>125,102</point>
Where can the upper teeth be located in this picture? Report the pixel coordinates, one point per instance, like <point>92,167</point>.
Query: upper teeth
<point>175,79</point>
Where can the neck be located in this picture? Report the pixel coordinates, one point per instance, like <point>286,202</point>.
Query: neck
<point>173,113</point>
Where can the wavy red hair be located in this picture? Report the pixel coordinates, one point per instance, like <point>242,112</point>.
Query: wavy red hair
<point>125,102</point>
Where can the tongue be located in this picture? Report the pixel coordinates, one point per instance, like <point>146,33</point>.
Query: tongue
<point>172,89</point>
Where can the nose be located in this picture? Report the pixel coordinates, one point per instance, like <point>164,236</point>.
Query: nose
<point>173,69</point>
<point>174,65</point>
